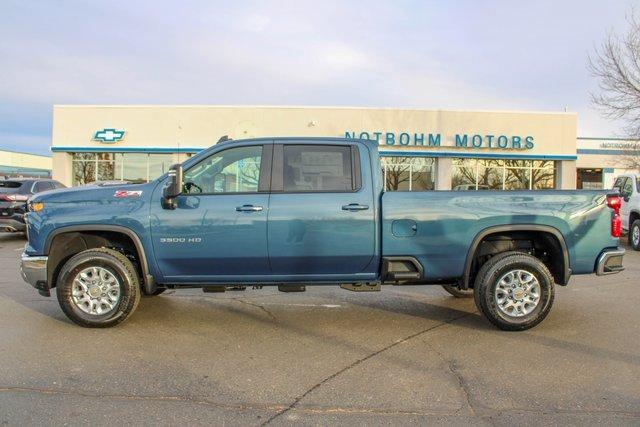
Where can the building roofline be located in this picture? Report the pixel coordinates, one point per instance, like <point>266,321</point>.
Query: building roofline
<point>606,138</point>
<point>24,152</point>
<point>316,107</point>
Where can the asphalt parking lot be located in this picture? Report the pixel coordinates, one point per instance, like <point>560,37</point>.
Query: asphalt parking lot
<point>406,355</point>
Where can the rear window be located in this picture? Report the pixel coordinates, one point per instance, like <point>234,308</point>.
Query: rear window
<point>10,186</point>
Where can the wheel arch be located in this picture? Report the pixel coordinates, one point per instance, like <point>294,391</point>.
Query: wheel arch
<point>146,277</point>
<point>562,276</point>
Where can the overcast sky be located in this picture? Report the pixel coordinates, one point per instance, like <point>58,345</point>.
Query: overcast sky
<point>489,55</point>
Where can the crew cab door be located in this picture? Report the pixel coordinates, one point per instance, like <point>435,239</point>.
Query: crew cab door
<point>322,215</point>
<point>218,231</point>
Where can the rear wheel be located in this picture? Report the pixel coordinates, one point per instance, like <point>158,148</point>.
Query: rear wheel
<point>514,291</point>
<point>457,292</point>
<point>98,288</point>
<point>634,235</point>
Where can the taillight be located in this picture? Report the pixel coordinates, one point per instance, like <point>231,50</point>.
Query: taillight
<point>615,202</point>
<point>13,197</point>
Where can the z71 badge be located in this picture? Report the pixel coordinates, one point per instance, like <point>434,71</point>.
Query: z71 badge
<point>127,193</point>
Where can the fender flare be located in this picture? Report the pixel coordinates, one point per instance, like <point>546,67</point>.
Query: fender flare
<point>519,227</point>
<point>146,276</point>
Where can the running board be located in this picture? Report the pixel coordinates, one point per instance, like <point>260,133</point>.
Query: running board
<point>361,287</point>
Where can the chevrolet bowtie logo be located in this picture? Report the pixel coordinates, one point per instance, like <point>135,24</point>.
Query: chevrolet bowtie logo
<point>108,135</point>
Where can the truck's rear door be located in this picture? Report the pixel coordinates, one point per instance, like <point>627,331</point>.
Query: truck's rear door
<point>321,221</point>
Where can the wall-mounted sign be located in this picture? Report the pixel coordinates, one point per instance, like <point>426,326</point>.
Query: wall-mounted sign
<point>108,136</point>
<point>626,146</point>
<point>459,140</point>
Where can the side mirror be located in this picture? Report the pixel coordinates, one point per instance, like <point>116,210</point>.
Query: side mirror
<point>173,187</point>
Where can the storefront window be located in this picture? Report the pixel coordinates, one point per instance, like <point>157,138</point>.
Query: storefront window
<point>590,179</point>
<point>480,174</point>
<point>132,167</point>
<point>408,173</point>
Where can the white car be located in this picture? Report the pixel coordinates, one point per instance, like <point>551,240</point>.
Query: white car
<point>629,188</point>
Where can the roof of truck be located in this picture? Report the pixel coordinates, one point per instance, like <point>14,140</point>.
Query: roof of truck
<point>275,139</point>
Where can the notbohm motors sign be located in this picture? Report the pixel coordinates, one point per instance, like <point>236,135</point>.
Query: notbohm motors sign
<point>458,140</point>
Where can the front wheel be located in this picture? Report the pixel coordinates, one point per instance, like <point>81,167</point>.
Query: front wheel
<point>98,288</point>
<point>634,235</point>
<point>514,291</point>
<point>457,292</point>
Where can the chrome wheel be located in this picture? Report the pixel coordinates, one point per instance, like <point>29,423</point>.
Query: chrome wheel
<point>517,293</point>
<point>96,291</point>
<point>635,236</point>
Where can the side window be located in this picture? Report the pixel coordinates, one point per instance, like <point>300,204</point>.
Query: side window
<point>42,186</point>
<point>236,170</point>
<point>627,188</point>
<point>317,168</point>
<point>619,183</point>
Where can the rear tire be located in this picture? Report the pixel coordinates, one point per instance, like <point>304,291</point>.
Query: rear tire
<point>514,291</point>
<point>634,235</point>
<point>457,292</point>
<point>98,288</point>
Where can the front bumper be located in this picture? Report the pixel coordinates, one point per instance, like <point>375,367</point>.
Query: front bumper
<point>11,224</point>
<point>34,272</point>
<point>610,262</point>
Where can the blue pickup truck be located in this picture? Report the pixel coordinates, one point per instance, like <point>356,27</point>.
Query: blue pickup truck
<point>292,212</point>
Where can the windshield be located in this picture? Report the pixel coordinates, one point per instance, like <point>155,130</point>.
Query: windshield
<point>8,187</point>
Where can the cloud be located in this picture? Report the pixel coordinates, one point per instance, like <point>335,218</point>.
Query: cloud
<point>455,55</point>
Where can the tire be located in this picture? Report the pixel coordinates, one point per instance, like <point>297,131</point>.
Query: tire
<point>100,269</point>
<point>512,275</point>
<point>458,293</point>
<point>634,235</point>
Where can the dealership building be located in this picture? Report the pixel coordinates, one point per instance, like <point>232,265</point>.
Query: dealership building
<point>419,149</point>
<point>15,164</point>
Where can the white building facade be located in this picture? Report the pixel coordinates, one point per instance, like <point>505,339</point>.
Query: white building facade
<point>420,149</point>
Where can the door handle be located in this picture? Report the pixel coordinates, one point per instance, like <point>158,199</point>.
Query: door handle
<point>249,208</point>
<point>352,207</point>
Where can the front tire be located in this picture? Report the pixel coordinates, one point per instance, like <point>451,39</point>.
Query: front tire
<point>98,288</point>
<point>514,291</point>
<point>457,292</point>
<point>634,235</point>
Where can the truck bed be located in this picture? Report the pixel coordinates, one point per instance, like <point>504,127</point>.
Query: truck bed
<point>439,227</point>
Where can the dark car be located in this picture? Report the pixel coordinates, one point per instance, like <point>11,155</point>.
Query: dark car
<point>14,194</point>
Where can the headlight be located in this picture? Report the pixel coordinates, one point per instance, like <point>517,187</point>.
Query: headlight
<point>36,207</point>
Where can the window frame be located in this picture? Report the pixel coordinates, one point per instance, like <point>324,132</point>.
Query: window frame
<point>277,169</point>
<point>266,158</point>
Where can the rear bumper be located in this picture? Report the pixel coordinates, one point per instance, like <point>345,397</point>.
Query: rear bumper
<point>610,262</point>
<point>34,272</point>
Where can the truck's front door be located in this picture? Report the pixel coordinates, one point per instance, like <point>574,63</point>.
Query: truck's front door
<point>218,230</point>
<point>321,213</point>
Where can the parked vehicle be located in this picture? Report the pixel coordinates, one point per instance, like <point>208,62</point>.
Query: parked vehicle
<point>291,212</point>
<point>628,186</point>
<point>14,194</point>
